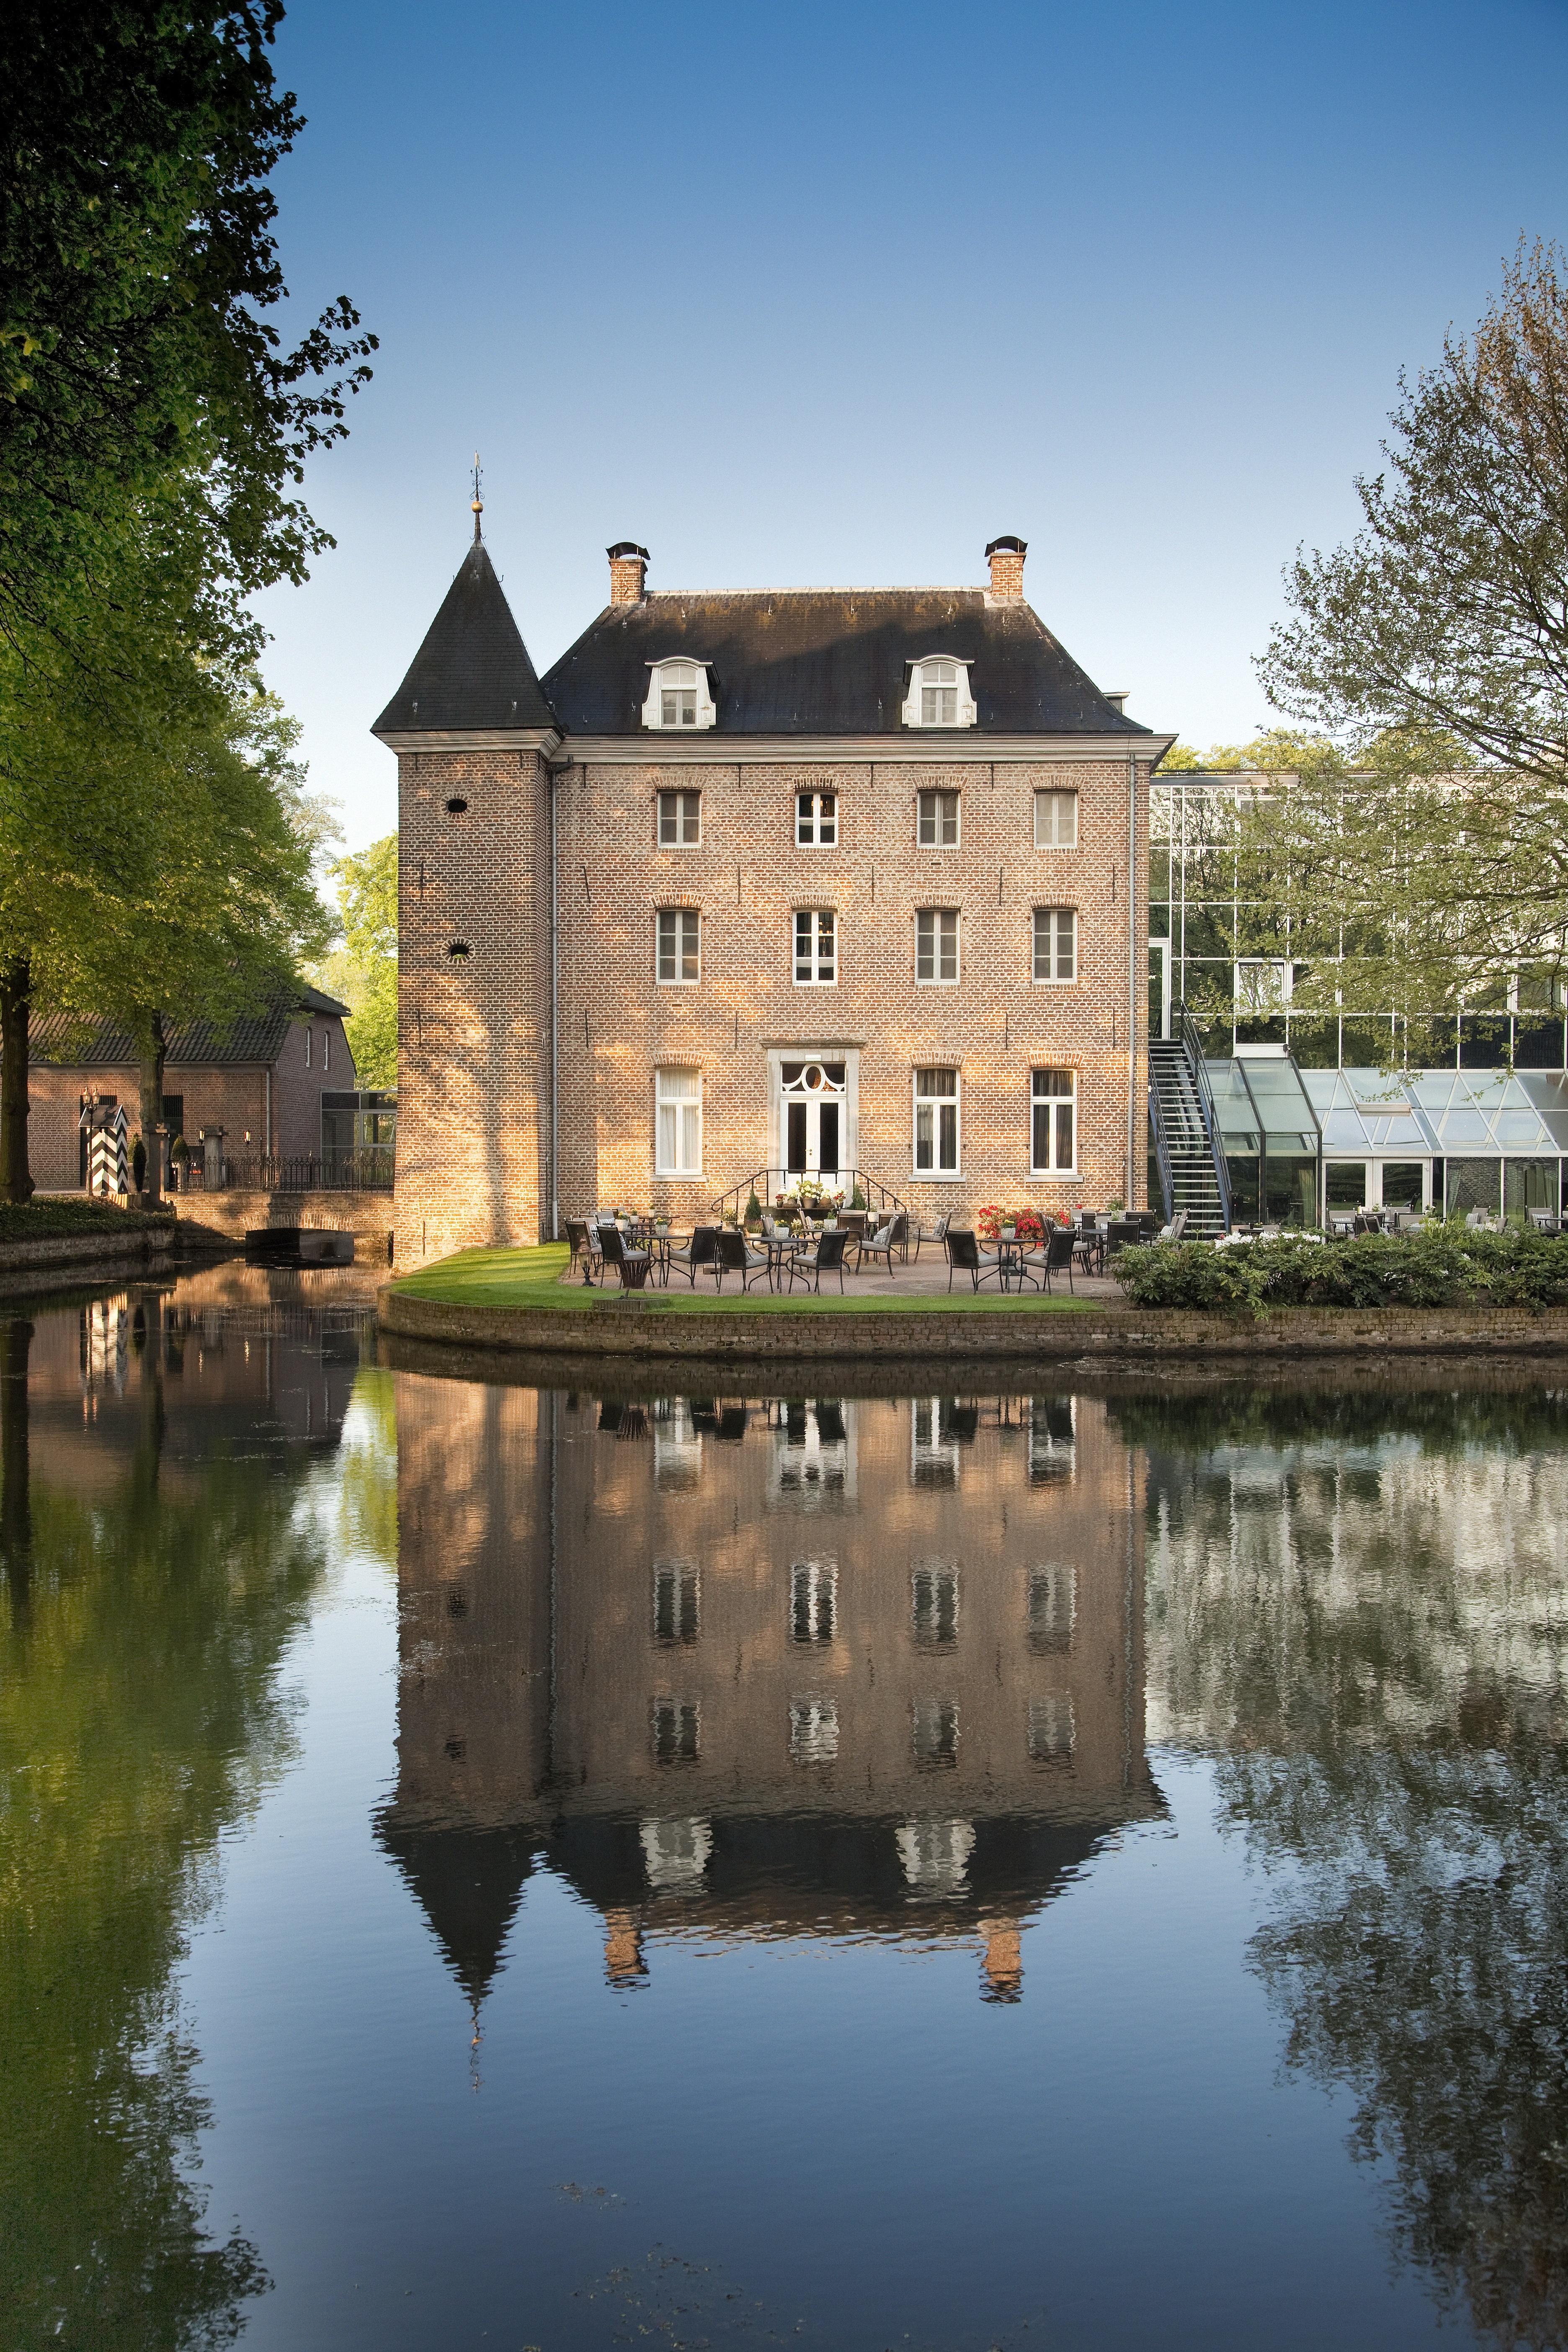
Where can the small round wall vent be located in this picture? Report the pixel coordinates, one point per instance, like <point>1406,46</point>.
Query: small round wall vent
<point>456,808</point>
<point>458,950</point>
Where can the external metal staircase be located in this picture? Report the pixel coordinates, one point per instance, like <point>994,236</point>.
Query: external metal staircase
<point>1187,1137</point>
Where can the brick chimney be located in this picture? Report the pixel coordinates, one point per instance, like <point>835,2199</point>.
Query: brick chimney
<point>628,563</point>
<point>1005,557</point>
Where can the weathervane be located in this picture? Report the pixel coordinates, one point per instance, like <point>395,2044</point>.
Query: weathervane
<point>478,504</point>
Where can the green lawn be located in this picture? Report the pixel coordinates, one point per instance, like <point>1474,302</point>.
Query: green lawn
<point>532,1278</point>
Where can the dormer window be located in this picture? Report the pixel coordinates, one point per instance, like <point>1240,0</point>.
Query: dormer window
<point>678,697</point>
<point>939,694</point>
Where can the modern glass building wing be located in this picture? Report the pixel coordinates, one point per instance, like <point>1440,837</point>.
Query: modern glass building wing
<point>1476,1138</point>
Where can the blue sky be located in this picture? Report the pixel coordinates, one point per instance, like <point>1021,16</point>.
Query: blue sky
<point>836,294</point>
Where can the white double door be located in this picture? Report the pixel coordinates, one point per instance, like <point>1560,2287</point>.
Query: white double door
<point>812,1114</point>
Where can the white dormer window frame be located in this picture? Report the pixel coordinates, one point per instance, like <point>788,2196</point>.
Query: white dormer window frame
<point>939,693</point>
<point>679,697</point>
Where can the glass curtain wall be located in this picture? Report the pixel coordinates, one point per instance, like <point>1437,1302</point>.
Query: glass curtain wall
<point>1230,957</point>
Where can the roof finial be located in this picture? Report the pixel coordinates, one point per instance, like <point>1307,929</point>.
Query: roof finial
<point>478,504</point>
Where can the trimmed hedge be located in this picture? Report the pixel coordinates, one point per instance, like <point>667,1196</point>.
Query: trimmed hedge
<point>1440,1265</point>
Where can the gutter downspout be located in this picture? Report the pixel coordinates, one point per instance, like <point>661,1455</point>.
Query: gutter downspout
<point>266,1075</point>
<point>1131,972</point>
<point>555,1014</point>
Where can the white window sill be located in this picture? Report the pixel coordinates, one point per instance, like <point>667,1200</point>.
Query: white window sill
<point>936,1176</point>
<point>936,983</point>
<point>677,983</point>
<point>1055,983</point>
<point>816,983</point>
<point>1054,1175</point>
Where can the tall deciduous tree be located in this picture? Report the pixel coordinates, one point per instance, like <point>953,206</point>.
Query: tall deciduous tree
<point>367,967</point>
<point>137,266</point>
<point>1435,647</point>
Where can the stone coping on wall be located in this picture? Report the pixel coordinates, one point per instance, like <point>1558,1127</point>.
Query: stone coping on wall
<point>1093,1335</point>
<point>29,1266</point>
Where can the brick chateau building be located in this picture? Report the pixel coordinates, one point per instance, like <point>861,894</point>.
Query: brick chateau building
<point>781,883</point>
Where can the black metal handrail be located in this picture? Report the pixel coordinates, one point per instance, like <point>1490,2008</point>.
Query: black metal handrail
<point>847,1181</point>
<point>1190,1038</point>
<point>1162,1150</point>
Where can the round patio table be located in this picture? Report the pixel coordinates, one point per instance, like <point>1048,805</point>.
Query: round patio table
<point>1011,1259</point>
<point>779,1247</point>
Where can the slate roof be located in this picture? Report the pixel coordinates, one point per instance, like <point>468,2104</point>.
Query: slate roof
<point>828,661</point>
<point>473,669</point>
<point>254,1037</point>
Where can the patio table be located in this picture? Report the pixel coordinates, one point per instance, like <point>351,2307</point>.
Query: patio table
<point>1011,1267</point>
<point>659,1246</point>
<point>779,1247</point>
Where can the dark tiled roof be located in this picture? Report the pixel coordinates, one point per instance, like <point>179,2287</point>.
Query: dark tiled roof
<point>252,1037</point>
<point>473,669</point>
<point>829,661</point>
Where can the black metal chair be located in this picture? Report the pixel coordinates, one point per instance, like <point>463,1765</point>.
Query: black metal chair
<point>883,1243</point>
<point>734,1257</point>
<point>827,1257</point>
<point>1124,1232</point>
<point>702,1257</point>
<point>1060,1243</point>
<point>631,1265</point>
<point>938,1232</point>
<point>964,1256</point>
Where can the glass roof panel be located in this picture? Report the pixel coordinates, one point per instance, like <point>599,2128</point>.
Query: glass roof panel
<point>1462,1129</point>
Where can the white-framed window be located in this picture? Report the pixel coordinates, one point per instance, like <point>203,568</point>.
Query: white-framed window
<point>936,1123</point>
<point>936,946</point>
<point>677,1603</point>
<point>1053,1735</point>
<point>679,820</point>
<point>1053,1122</point>
<point>1056,820</point>
<point>1263,983</point>
<point>1055,943</point>
<point>936,820</point>
<point>816,947</point>
<point>679,935</point>
<point>680,698</point>
<point>933,1586</point>
<point>677,1730</point>
<point>814,1601</point>
<point>1053,1610</point>
<point>816,820</point>
<point>939,693</point>
<point>678,1123</point>
<point>934,1733</point>
<point>812,1730</point>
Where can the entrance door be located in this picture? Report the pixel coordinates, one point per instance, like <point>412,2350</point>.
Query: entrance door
<point>1159,988</point>
<point>813,1117</point>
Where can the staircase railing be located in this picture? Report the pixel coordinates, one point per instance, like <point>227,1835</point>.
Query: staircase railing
<point>767,1183</point>
<point>1162,1150</point>
<point>1190,1038</point>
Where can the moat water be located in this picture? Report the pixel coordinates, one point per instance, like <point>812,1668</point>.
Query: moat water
<point>557,1866</point>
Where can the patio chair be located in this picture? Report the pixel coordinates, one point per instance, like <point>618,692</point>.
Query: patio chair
<point>938,1232</point>
<point>964,1256</point>
<point>1123,1233</point>
<point>1543,1221</point>
<point>827,1257</point>
<point>734,1257</point>
<point>702,1256</point>
<point>880,1245</point>
<point>584,1238</point>
<point>631,1265</point>
<point>1060,1243</point>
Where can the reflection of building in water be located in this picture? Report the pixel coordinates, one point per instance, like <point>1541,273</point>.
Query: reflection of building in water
<point>764,1667</point>
<point>239,1364</point>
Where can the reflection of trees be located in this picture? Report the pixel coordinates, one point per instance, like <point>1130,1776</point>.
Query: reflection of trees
<point>138,1717</point>
<point>1370,1632</point>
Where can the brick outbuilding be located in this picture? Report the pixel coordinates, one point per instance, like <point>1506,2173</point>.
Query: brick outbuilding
<point>833,883</point>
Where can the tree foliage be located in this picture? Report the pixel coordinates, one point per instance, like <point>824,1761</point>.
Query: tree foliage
<point>366,970</point>
<point>137,266</point>
<point>1434,650</point>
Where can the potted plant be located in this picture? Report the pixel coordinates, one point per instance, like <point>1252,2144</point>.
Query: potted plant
<point>1030,1225</point>
<point>858,1199</point>
<point>988,1222</point>
<point>754,1211</point>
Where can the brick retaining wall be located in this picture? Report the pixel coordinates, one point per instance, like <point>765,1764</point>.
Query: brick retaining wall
<point>1118,1335</point>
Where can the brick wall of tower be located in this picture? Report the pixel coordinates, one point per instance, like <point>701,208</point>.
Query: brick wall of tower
<point>473,1042</point>
<point>747,877</point>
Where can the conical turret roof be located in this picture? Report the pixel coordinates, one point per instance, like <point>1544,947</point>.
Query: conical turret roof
<point>472,674</point>
<point>469,1883</point>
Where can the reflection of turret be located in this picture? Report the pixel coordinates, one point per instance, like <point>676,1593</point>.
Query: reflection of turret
<point>765,1669</point>
<point>468,1884</point>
